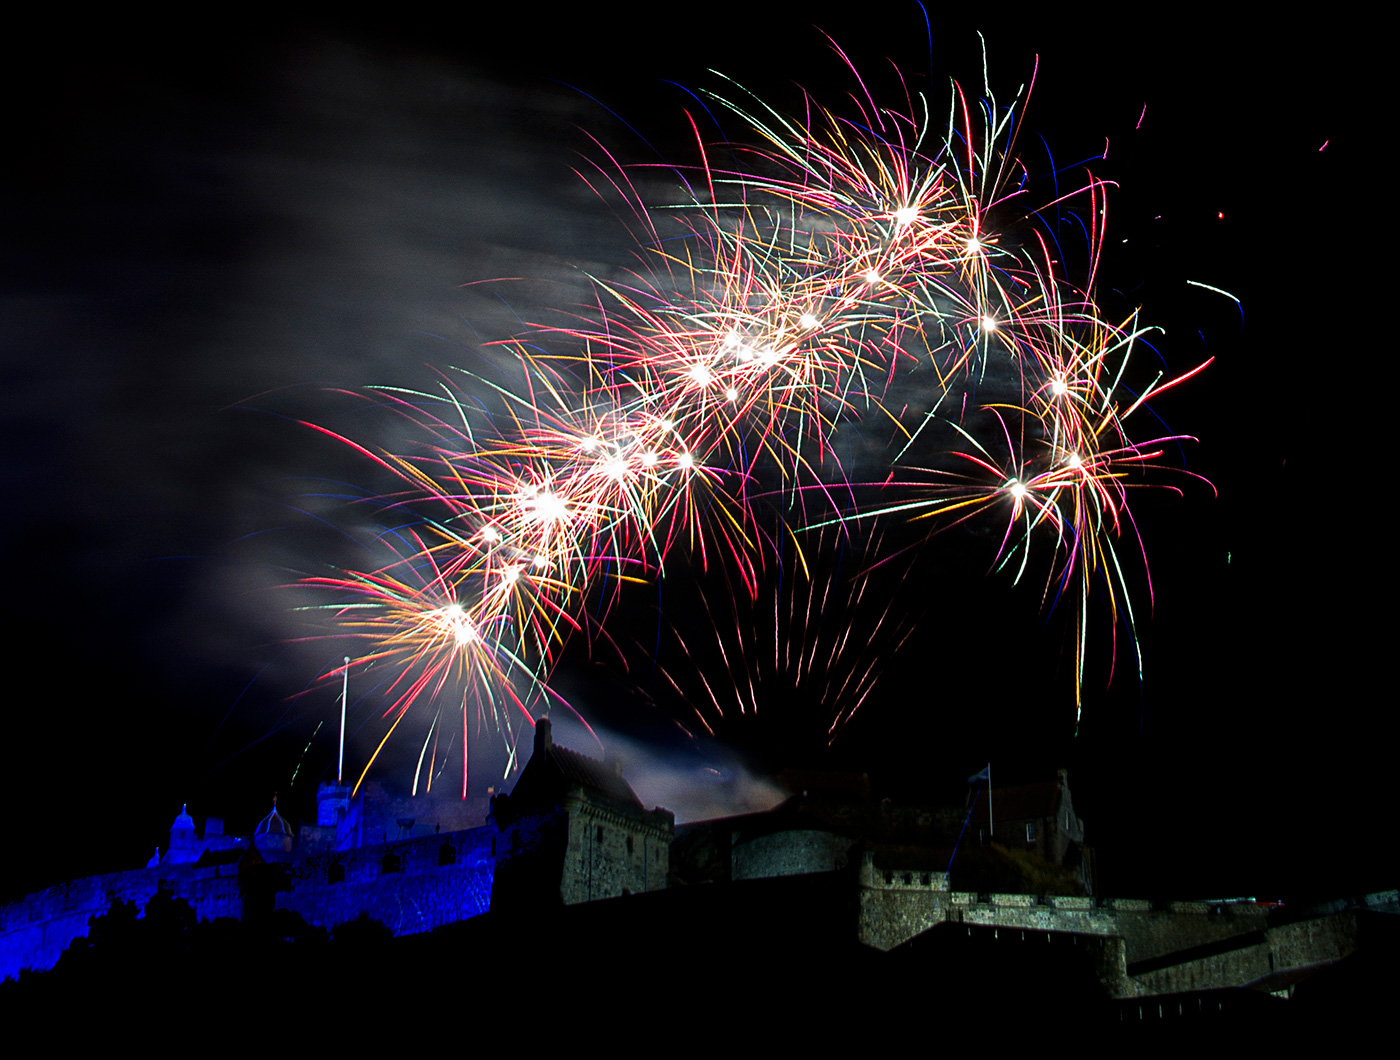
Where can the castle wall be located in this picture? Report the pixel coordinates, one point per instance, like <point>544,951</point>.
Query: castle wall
<point>1232,968</point>
<point>411,886</point>
<point>378,817</point>
<point>1291,947</point>
<point>608,854</point>
<point>1073,914</point>
<point>36,930</point>
<point>790,853</point>
<point>897,906</point>
<point>438,880</point>
<point>1308,942</point>
<point>1151,932</point>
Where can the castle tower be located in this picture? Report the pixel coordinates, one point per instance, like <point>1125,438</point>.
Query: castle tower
<point>574,831</point>
<point>183,847</point>
<point>332,803</point>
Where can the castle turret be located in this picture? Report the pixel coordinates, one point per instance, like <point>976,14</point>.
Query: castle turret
<point>332,803</point>
<point>183,847</point>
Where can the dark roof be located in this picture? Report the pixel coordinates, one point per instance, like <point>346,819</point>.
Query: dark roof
<point>590,773</point>
<point>552,771</point>
<point>212,858</point>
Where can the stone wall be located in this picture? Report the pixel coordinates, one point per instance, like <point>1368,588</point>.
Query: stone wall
<point>1256,958</point>
<point>1235,966</point>
<point>790,853</point>
<point>1152,932</point>
<point>1222,945</point>
<point>608,853</point>
<point>37,929</point>
<point>897,906</point>
<point>410,887</point>
<point>376,817</point>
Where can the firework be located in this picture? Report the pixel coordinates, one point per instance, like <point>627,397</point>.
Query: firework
<point>817,274</point>
<point>800,657</point>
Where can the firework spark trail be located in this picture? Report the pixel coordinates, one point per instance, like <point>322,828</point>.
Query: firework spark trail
<point>799,658</point>
<point>783,302</point>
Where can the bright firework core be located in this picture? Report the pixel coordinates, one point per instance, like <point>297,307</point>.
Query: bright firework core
<point>543,506</point>
<point>452,621</point>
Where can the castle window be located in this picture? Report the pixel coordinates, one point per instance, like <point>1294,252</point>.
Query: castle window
<point>600,833</point>
<point>1030,831</point>
<point>390,863</point>
<point>335,873</point>
<point>446,855</point>
<point>629,844</point>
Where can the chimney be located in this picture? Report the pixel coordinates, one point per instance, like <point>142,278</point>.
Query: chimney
<point>544,740</point>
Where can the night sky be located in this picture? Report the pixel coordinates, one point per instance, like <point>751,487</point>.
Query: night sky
<point>210,241</point>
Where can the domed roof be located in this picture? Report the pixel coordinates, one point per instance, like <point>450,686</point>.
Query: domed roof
<point>183,820</point>
<point>273,824</point>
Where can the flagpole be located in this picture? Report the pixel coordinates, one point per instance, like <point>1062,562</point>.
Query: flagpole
<point>344,695</point>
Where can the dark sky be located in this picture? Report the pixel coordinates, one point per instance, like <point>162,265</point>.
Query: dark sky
<point>210,240</point>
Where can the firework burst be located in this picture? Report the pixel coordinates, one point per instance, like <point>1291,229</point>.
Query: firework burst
<point>816,276</point>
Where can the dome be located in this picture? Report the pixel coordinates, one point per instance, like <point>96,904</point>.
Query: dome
<point>273,835</point>
<point>273,824</point>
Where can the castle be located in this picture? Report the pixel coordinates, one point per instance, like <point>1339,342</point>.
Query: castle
<point>828,872</point>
